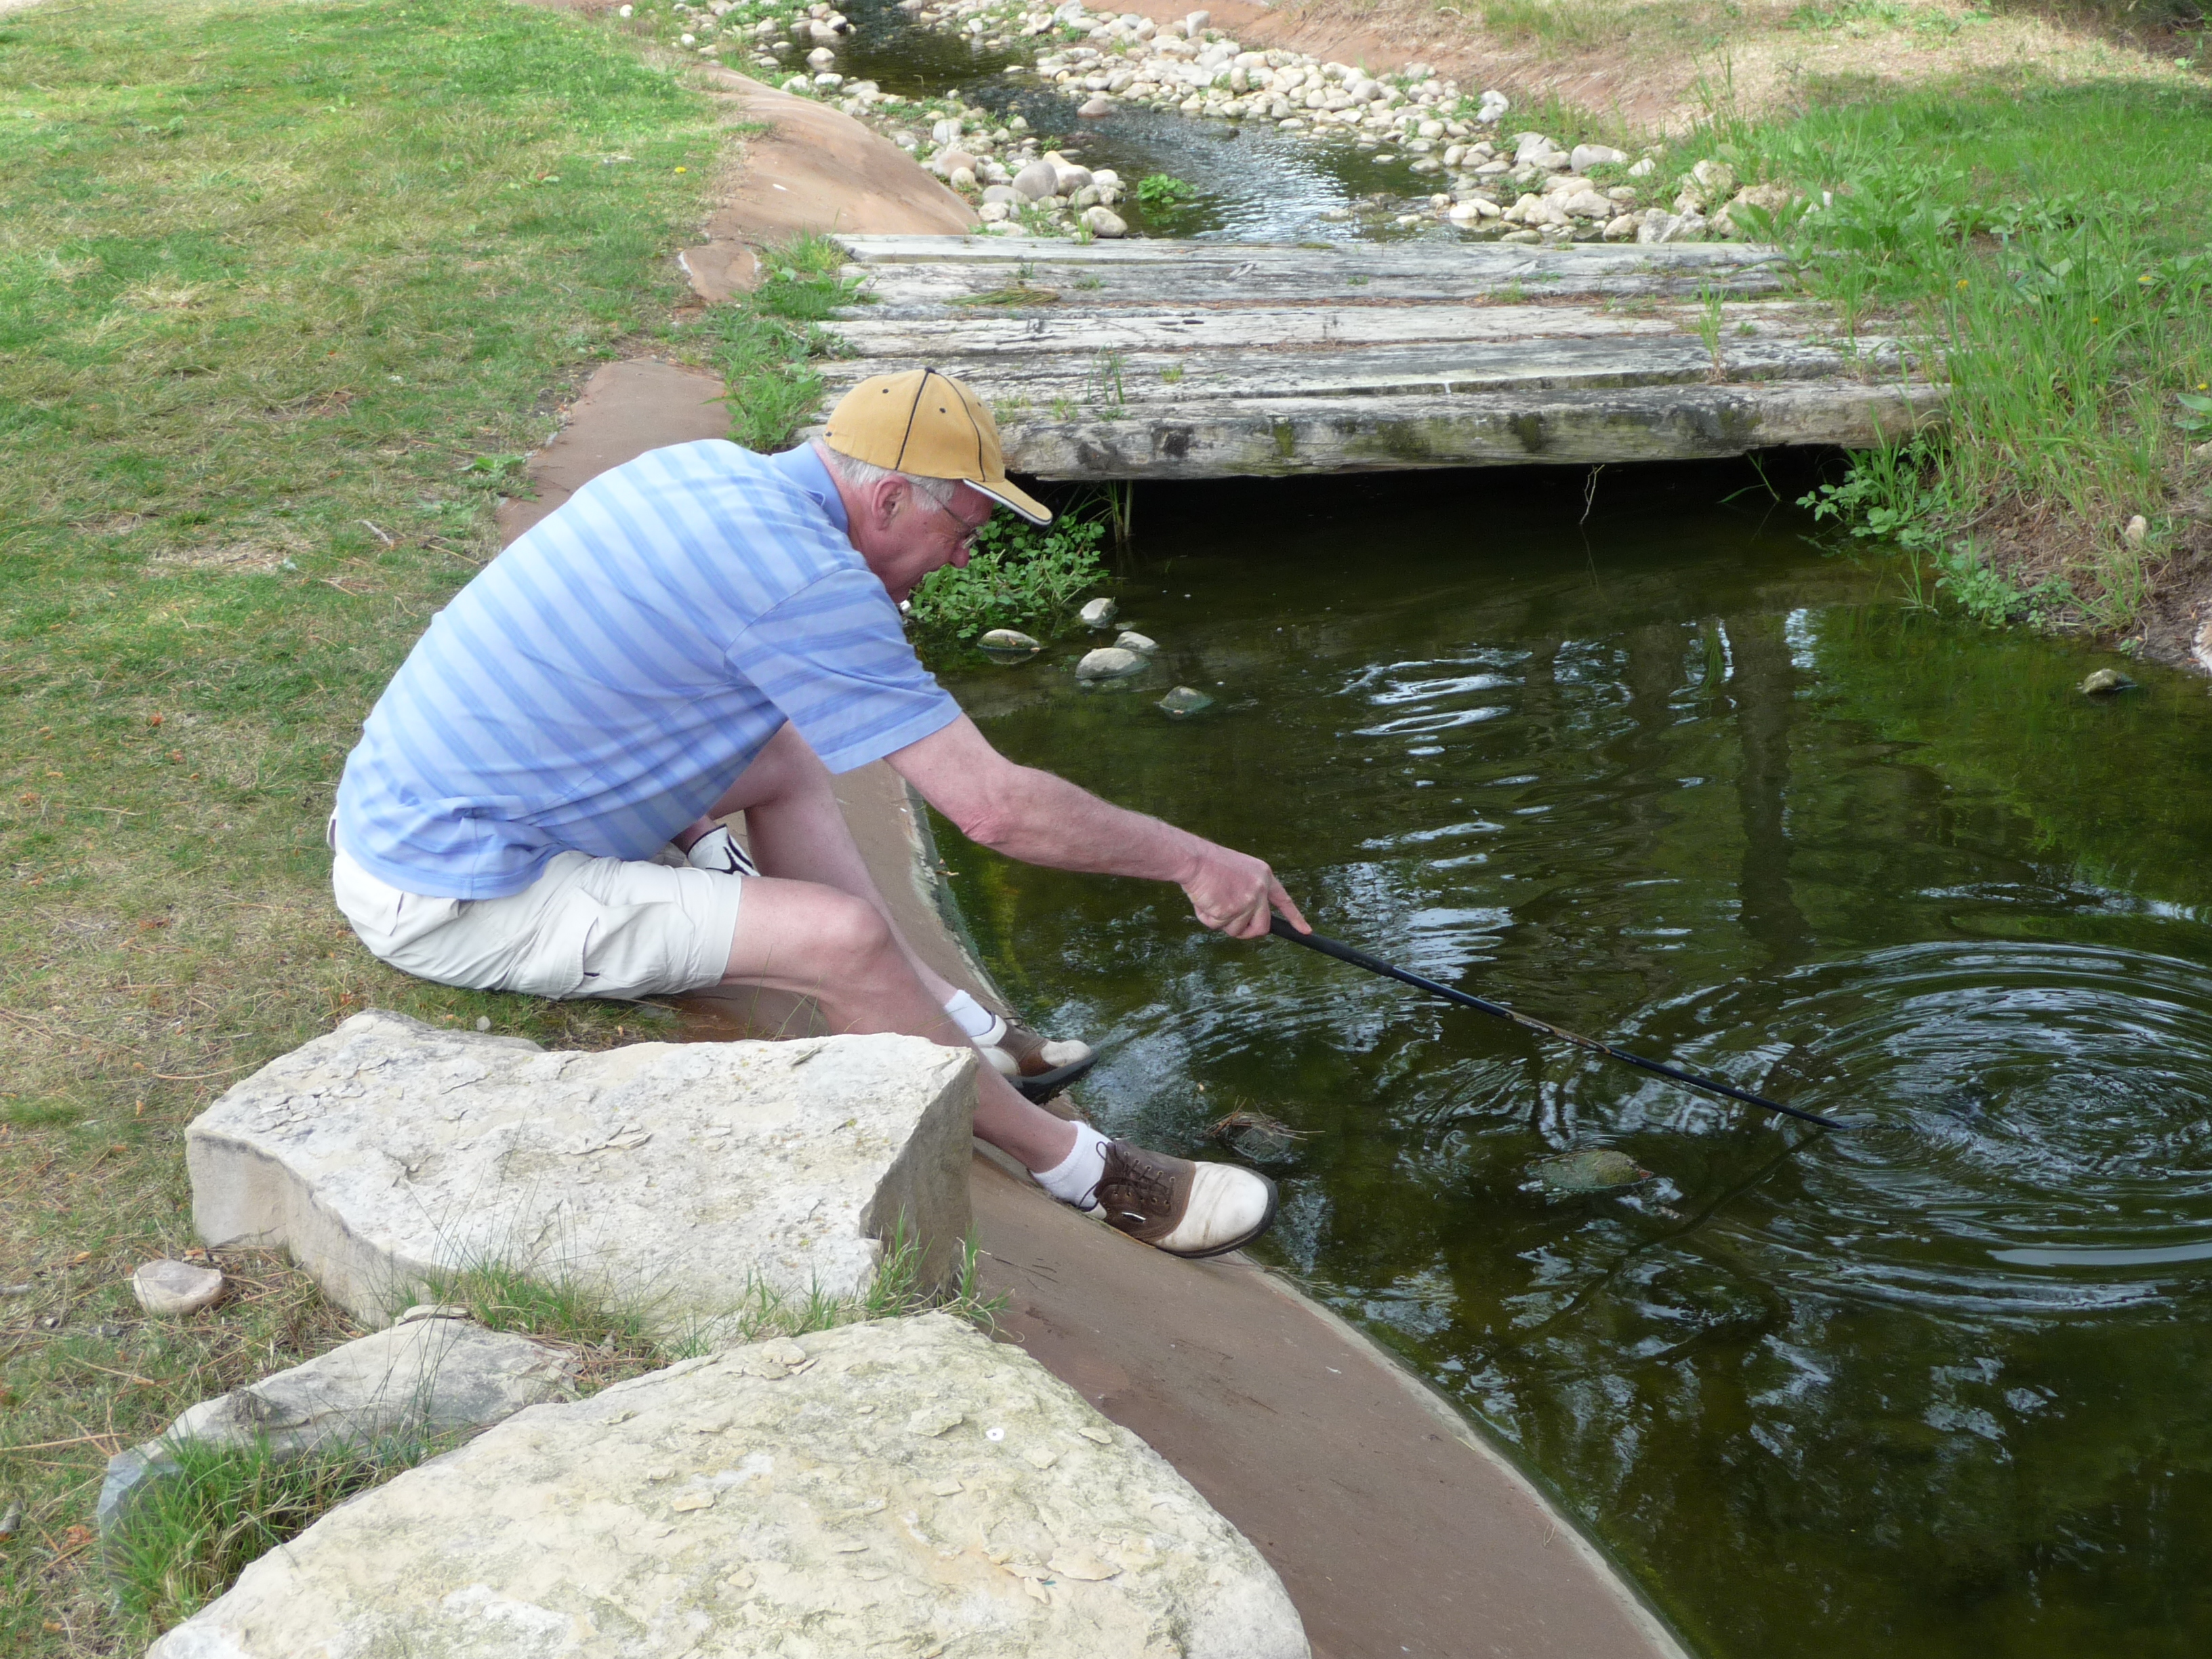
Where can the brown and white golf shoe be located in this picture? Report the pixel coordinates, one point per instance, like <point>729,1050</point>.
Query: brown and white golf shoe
<point>1039,1066</point>
<point>1181,1207</point>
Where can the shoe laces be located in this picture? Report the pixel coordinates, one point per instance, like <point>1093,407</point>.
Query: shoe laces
<point>1148,1185</point>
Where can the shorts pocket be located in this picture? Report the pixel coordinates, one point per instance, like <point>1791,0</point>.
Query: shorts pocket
<point>552,965</point>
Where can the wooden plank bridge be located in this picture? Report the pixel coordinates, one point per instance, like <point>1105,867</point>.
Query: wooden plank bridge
<point>1149,359</point>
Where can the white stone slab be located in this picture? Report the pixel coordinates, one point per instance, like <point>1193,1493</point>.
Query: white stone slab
<point>664,1176</point>
<point>907,1487</point>
<point>427,1377</point>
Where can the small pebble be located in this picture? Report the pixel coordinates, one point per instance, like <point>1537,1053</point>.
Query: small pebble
<point>175,1287</point>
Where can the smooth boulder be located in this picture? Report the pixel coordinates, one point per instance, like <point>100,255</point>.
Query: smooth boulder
<point>670,1178</point>
<point>907,1486</point>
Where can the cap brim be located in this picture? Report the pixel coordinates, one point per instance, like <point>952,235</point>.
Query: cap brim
<point>1012,500</point>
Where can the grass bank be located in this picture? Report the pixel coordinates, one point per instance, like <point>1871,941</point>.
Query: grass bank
<point>286,293</point>
<point>2051,248</point>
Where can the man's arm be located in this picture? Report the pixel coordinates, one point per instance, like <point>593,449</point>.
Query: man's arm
<point>1041,819</point>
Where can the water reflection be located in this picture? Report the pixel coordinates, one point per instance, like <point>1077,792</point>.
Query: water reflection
<point>1930,1386</point>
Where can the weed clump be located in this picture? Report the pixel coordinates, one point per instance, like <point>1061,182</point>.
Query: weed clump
<point>1017,576</point>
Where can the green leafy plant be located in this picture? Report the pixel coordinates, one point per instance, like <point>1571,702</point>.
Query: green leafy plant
<point>1156,192</point>
<point>1017,575</point>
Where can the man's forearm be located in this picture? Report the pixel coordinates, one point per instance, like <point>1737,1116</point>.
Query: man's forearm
<point>1043,819</point>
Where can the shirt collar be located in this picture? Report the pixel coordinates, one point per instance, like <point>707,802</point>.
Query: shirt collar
<point>803,467</point>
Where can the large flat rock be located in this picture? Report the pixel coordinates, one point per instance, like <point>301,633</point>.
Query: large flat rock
<point>902,1488</point>
<point>425,1376</point>
<point>670,1178</point>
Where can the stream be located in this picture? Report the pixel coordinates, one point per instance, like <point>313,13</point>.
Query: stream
<point>1633,752</point>
<point>1647,764</point>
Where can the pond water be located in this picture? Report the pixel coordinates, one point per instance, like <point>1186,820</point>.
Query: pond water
<point>1650,765</point>
<point>1253,183</point>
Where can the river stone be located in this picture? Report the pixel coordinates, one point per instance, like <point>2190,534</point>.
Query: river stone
<point>907,1486</point>
<point>175,1287</point>
<point>1099,613</point>
<point>1103,222</point>
<point>1592,1170</point>
<point>1583,157</point>
<point>1108,662</point>
<point>1036,181</point>
<point>1009,644</point>
<point>434,1376</point>
<point>2107,680</point>
<point>1130,640</point>
<point>1184,700</point>
<point>663,1176</point>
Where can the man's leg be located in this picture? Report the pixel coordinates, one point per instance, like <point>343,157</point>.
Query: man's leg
<point>798,832</point>
<point>814,941</point>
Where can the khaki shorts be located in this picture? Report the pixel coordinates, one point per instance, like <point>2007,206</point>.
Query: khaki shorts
<point>587,927</point>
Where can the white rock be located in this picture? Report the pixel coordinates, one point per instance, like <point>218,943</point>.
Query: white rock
<point>1096,105</point>
<point>423,1376</point>
<point>1623,228</point>
<point>992,213</point>
<point>1643,169</point>
<point>1586,156</point>
<point>1009,642</point>
<point>1715,178</point>
<point>961,179</point>
<point>906,1487</point>
<point>1108,662</point>
<point>662,1176</point>
<point>1036,181</point>
<point>1103,222</point>
<point>1098,613</point>
<point>2134,531</point>
<point>1493,108</point>
<point>946,131</point>
<point>1129,640</point>
<point>1587,204</point>
<point>175,1288</point>
<point>821,57</point>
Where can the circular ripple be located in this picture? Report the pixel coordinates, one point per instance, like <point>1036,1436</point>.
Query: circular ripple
<point>2030,1120</point>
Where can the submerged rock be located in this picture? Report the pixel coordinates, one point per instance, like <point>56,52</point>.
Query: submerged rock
<point>1591,1170</point>
<point>1108,662</point>
<point>1257,1136</point>
<point>2107,680</point>
<point>903,1487</point>
<point>1184,700</point>
<point>1009,645</point>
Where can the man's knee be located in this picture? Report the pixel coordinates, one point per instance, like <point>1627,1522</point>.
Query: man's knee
<point>851,936</point>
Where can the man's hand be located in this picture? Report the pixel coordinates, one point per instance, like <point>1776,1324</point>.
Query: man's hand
<point>1236,894</point>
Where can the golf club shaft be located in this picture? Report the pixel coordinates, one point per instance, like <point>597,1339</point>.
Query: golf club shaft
<point>1357,959</point>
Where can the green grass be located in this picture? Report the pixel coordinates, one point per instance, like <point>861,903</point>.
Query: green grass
<point>187,1536</point>
<point>2050,250</point>
<point>765,343</point>
<point>287,291</point>
<point>190,1535</point>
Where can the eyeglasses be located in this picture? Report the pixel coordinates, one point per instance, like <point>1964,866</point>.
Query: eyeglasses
<point>967,536</point>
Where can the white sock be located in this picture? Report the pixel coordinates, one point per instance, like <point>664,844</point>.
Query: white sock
<point>1074,1179</point>
<point>979,1021</point>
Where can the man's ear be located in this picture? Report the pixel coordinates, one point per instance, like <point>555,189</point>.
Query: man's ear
<point>885,499</point>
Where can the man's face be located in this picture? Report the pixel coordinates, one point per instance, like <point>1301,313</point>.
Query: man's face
<point>903,538</point>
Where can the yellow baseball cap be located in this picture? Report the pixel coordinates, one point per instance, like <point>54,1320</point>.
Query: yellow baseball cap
<point>929,425</point>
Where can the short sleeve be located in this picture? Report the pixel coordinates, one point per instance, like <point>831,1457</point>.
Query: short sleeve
<point>834,660</point>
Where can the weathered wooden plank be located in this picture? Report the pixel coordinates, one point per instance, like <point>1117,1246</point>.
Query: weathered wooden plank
<point>898,289</point>
<point>1163,379</point>
<point>966,334</point>
<point>1275,438</point>
<point>1043,252</point>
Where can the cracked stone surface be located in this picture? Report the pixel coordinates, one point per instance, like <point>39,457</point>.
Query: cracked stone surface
<point>428,1376</point>
<point>904,1487</point>
<point>670,1178</point>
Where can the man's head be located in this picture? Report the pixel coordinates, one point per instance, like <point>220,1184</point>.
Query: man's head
<point>916,457</point>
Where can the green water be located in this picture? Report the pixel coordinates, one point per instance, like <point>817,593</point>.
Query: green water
<point>1935,1386</point>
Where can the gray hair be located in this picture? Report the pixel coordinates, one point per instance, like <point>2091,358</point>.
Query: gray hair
<point>936,492</point>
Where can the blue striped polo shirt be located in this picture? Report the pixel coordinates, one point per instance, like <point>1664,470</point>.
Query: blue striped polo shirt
<point>598,685</point>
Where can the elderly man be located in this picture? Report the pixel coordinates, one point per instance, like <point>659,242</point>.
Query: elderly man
<point>704,632</point>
